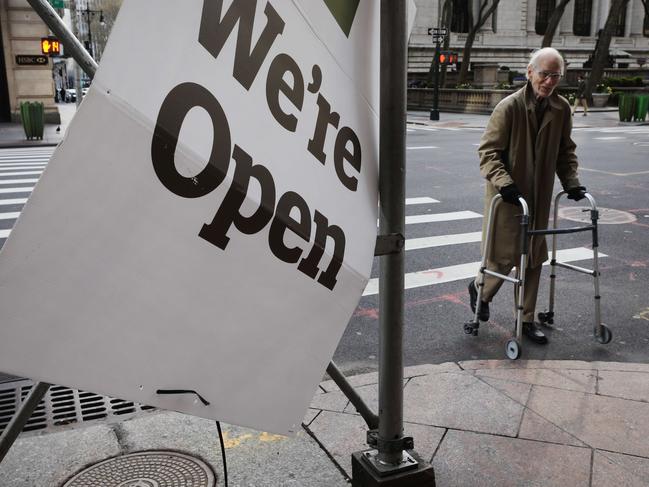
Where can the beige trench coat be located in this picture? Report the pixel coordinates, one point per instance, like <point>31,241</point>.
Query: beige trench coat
<point>510,152</point>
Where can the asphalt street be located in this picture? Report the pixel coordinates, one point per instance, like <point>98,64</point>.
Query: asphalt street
<point>444,210</point>
<point>442,164</point>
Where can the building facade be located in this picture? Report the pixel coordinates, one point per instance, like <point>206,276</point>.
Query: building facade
<point>517,26</point>
<point>21,30</point>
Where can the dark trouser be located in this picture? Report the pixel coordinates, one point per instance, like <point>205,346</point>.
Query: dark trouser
<point>532,277</point>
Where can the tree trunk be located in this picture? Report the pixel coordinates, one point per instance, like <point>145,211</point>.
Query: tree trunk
<point>446,22</point>
<point>466,56</point>
<point>601,53</point>
<point>473,31</point>
<point>553,23</point>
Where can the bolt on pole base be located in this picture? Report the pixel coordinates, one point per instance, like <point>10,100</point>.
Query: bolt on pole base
<point>367,471</point>
<point>434,114</point>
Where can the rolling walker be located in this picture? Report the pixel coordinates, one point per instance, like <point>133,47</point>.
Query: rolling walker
<point>513,348</point>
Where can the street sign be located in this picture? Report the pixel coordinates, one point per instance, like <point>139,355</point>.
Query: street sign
<point>437,31</point>
<point>57,3</point>
<point>29,60</point>
<point>208,228</point>
<point>50,46</point>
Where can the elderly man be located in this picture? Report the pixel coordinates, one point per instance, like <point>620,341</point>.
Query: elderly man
<point>527,141</point>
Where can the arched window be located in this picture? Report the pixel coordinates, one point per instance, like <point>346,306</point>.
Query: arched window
<point>460,18</point>
<point>581,18</point>
<point>544,10</point>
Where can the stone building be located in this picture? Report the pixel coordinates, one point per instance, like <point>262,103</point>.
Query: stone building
<point>21,30</point>
<point>517,28</point>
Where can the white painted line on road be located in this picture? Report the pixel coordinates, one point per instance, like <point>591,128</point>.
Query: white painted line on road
<point>24,173</point>
<point>423,147</point>
<point>14,201</point>
<point>5,233</point>
<point>458,272</point>
<point>441,240</point>
<point>442,217</point>
<point>614,173</point>
<point>27,189</point>
<point>427,129</point>
<point>9,216</point>
<point>17,181</point>
<point>420,201</point>
<point>609,138</point>
<point>23,167</point>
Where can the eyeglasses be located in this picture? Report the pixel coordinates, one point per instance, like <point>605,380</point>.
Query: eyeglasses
<point>549,74</point>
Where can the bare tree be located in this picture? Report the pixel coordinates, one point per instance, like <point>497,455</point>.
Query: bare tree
<point>600,56</point>
<point>484,13</point>
<point>553,23</point>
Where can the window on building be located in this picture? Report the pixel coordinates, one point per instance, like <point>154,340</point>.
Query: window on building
<point>581,18</point>
<point>460,18</point>
<point>619,25</point>
<point>645,26</point>
<point>544,9</point>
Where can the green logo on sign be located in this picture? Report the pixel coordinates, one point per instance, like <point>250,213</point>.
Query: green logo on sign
<point>344,12</point>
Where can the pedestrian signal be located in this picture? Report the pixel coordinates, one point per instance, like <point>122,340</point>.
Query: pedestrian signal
<point>447,57</point>
<point>50,46</point>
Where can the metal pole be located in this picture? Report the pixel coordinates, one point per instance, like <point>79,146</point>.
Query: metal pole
<point>392,191</point>
<point>71,44</point>
<point>21,417</point>
<point>434,113</point>
<point>363,409</point>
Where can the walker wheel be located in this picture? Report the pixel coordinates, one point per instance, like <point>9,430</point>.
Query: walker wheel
<point>546,318</point>
<point>606,335</point>
<point>513,349</point>
<point>471,328</point>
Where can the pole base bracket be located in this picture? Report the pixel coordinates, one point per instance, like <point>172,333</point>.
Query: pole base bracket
<point>412,471</point>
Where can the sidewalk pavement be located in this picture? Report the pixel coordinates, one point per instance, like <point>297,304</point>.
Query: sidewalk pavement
<point>13,134</point>
<point>482,423</point>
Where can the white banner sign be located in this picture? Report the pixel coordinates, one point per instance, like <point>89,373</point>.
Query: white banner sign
<point>209,222</point>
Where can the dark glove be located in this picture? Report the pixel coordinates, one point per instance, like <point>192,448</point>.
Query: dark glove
<point>510,194</point>
<point>577,193</point>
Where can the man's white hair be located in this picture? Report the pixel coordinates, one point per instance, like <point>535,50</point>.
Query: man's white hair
<point>542,53</point>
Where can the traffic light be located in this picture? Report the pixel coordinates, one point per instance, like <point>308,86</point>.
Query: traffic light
<point>50,46</point>
<point>447,57</point>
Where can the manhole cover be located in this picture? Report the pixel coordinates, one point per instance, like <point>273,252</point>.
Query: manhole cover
<point>146,469</point>
<point>607,216</point>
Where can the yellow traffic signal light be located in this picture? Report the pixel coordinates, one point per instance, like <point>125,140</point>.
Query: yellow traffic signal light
<point>50,46</point>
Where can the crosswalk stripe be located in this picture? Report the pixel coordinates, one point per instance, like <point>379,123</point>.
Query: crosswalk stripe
<point>22,173</point>
<point>442,217</point>
<point>17,181</point>
<point>10,215</point>
<point>14,201</point>
<point>421,147</point>
<point>439,241</point>
<point>21,168</point>
<point>27,189</point>
<point>5,233</point>
<point>458,272</point>
<point>420,201</point>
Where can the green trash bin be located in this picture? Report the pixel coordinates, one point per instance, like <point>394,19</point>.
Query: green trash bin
<point>33,118</point>
<point>641,107</point>
<point>625,107</point>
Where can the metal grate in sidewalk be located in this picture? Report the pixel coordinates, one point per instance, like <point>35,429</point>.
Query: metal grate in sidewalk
<point>62,406</point>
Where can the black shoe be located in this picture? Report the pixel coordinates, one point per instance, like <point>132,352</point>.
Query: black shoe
<point>532,331</point>
<point>483,312</point>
